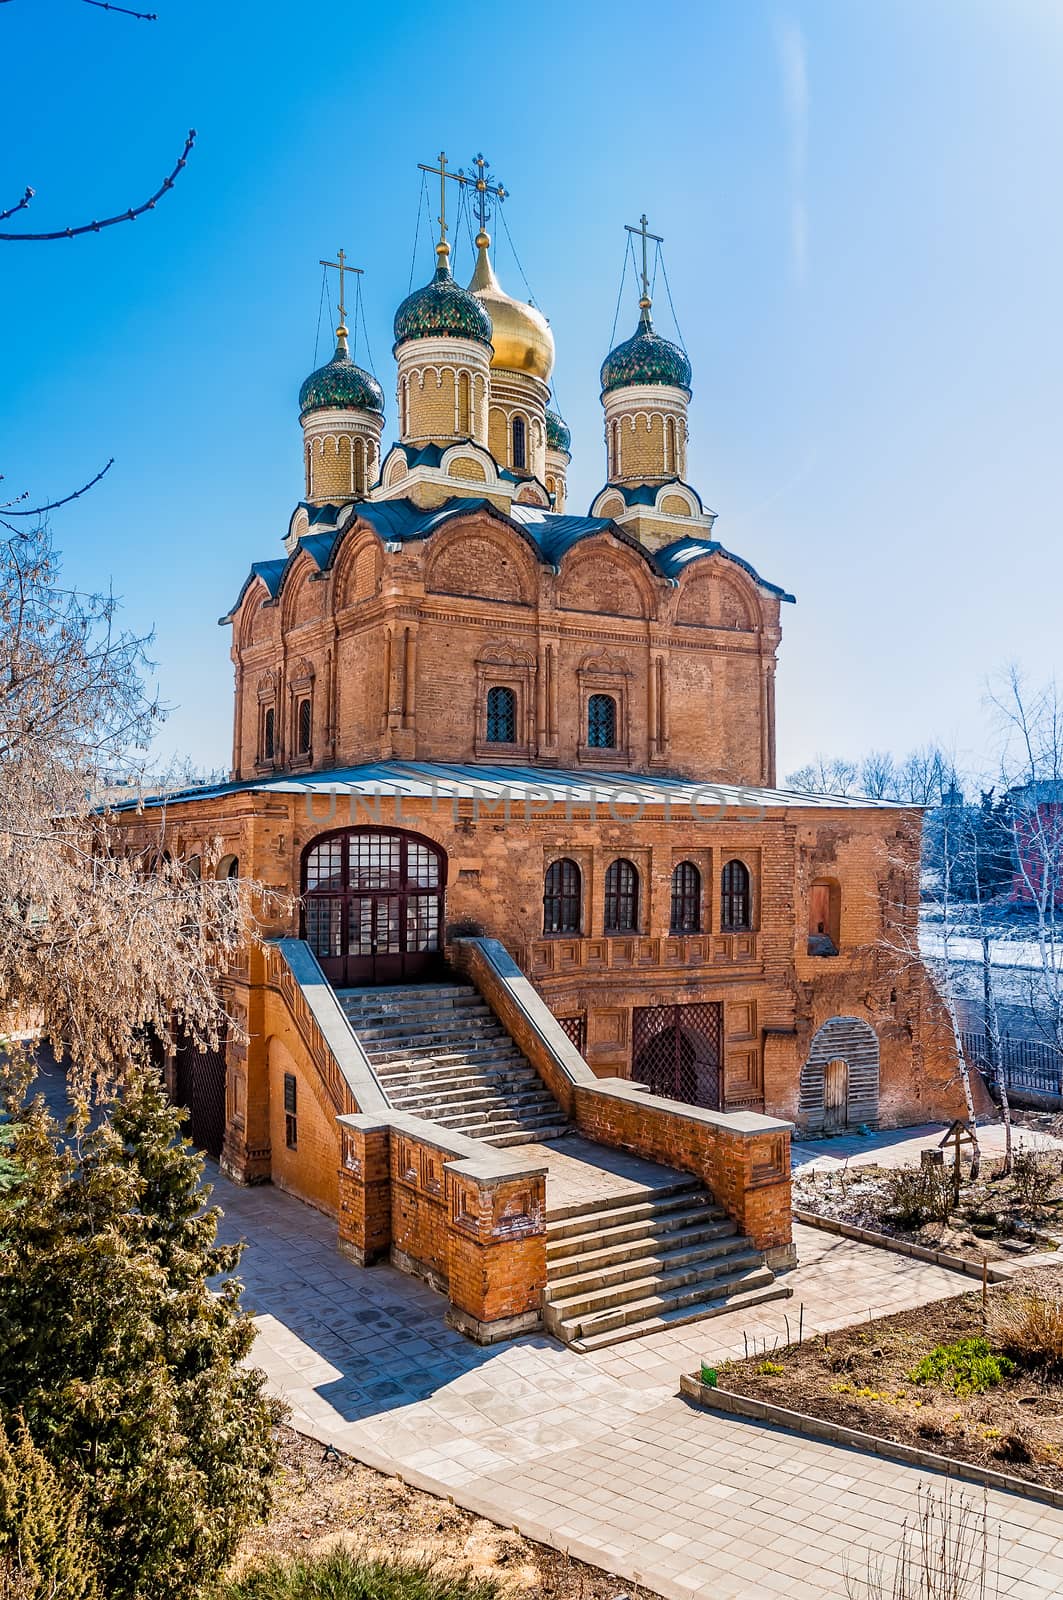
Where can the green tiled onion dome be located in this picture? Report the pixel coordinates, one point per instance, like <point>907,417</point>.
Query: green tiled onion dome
<point>341,386</point>
<point>558,436</point>
<point>645,358</point>
<point>442,309</point>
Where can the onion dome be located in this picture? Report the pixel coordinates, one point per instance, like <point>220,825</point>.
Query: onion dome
<point>520,334</point>
<point>442,309</point>
<point>340,385</point>
<point>646,358</point>
<point>558,436</point>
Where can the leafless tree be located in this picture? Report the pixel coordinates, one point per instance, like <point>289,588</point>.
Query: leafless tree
<point>97,948</point>
<point>1030,765</point>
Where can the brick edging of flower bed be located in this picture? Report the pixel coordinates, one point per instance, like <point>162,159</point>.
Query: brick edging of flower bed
<point>903,1247</point>
<point>742,1405</point>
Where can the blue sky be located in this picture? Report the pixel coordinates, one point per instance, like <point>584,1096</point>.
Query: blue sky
<point>864,239</point>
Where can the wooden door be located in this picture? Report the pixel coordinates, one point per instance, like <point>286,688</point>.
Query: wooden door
<point>835,1095</point>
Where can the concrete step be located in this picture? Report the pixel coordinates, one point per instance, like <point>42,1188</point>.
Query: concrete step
<point>455,1061</point>
<point>425,1106</point>
<point>474,1093</point>
<point>543,1135</point>
<point>737,1300</point>
<point>417,1053</point>
<point>443,1028</point>
<point>657,1245</point>
<point>502,1073</point>
<point>616,1210</point>
<point>661,1288</point>
<point>632,1234</point>
<point>652,1265</point>
<point>657,1300</point>
<point>422,994</point>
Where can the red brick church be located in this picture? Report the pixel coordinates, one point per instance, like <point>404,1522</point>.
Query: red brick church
<point>516,763</point>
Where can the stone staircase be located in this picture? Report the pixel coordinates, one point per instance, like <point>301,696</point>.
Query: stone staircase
<point>635,1263</point>
<point>440,1052</point>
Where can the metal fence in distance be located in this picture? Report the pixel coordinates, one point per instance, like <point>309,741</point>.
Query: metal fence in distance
<point>1025,1063</point>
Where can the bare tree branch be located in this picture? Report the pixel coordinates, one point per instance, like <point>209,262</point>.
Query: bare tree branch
<point>125,216</point>
<point>21,206</point>
<point>141,16</point>
<point>39,511</point>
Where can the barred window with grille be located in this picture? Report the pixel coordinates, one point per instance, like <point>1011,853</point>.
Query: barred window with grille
<point>601,722</point>
<point>304,726</point>
<point>291,1126</point>
<point>501,716</point>
<point>561,897</point>
<point>621,898</point>
<point>520,452</point>
<point>735,898</point>
<point>686,899</point>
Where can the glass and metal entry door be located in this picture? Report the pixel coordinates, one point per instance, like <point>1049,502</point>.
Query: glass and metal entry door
<point>373,905</point>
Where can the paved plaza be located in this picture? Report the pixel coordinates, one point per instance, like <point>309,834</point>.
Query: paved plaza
<point>597,1454</point>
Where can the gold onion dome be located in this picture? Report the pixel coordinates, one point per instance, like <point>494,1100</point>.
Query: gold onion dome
<point>520,335</point>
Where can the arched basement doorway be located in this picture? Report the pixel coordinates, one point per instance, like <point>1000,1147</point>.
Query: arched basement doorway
<point>676,1052</point>
<point>839,1081</point>
<point>373,904</point>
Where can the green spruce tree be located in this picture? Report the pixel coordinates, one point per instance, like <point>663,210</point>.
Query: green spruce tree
<point>123,1351</point>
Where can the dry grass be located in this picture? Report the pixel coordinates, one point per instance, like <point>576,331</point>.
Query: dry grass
<point>329,1504</point>
<point>1029,1328</point>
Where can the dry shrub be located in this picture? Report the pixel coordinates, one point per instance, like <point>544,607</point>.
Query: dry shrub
<point>1029,1327</point>
<point>1033,1177</point>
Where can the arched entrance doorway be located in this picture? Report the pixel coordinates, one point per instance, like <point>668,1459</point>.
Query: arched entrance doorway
<point>840,1079</point>
<point>373,904</point>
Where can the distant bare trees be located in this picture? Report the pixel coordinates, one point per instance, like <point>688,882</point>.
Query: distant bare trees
<point>922,778</point>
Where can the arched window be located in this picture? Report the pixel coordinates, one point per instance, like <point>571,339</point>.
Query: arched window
<point>520,447</point>
<point>561,897</point>
<point>601,722</point>
<point>621,898</point>
<point>735,906</point>
<point>464,405</point>
<point>686,899</point>
<point>669,446</point>
<point>501,716</point>
<point>304,726</point>
<point>268,741</point>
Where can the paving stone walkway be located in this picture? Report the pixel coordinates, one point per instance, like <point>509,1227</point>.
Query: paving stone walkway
<point>597,1454</point>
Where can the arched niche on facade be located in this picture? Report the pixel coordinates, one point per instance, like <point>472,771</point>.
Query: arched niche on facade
<point>482,561</point>
<point>599,575</point>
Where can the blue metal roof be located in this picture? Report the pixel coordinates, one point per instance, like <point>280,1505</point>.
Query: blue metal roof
<point>674,557</point>
<point>536,787</point>
<point>549,533</point>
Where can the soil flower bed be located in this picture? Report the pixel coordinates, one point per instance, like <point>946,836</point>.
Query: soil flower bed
<point>997,1218</point>
<point>940,1377</point>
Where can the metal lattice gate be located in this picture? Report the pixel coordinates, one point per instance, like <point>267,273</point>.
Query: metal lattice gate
<point>576,1029</point>
<point>676,1051</point>
<point>199,1085</point>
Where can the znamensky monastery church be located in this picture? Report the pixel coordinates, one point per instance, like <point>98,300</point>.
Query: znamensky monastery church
<point>515,761</point>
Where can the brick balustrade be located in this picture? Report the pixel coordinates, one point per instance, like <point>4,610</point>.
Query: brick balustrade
<point>742,1157</point>
<point>466,1217</point>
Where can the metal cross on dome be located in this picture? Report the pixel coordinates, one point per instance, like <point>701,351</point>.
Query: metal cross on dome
<point>341,267</point>
<point>484,184</point>
<point>646,236</point>
<point>442,174</point>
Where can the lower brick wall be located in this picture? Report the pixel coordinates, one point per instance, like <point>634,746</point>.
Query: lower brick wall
<point>479,1237</point>
<point>748,1173</point>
